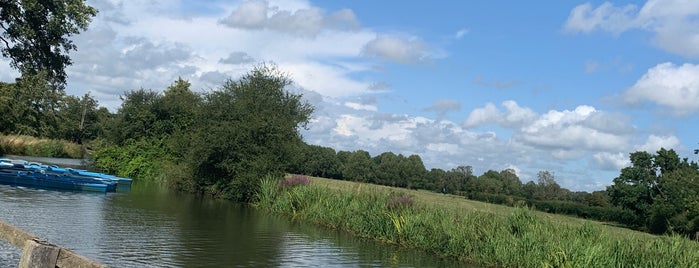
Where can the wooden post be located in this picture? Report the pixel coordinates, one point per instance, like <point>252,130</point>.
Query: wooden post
<point>38,254</point>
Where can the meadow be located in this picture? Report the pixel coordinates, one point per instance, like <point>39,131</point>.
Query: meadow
<point>470,231</point>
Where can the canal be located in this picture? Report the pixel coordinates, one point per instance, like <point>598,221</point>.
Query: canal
<point>151,226</point>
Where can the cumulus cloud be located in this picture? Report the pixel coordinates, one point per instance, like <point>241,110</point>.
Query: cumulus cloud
<point>655,142</point>
<point>570,130</point>
<point>577,143</point>
<point>674,23</point>
<point>512,116</point>
<point>398,49</point>
<point>258,15</point>
<point>672,86</point>
<point>611,161</point>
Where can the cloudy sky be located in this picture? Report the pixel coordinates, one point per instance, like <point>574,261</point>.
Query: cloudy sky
<point>567,86</point>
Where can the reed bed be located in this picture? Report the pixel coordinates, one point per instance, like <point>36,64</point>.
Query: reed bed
<point>31,146</point>
<point>509,237</point>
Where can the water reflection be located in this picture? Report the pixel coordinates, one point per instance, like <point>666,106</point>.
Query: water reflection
<point>153,227</point>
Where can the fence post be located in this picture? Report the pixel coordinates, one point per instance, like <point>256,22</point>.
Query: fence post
<point>38,254</point>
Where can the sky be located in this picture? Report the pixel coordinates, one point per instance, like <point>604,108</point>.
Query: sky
<point>570,87</point>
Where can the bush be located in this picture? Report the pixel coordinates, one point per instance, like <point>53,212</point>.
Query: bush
<point>141,159</point>
<point>399,202</point>
<point>294,180</point>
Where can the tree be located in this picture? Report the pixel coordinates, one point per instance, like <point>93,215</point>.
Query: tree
<point>80,118</point>
<point>30,107</point>
<point>414,170</point>
<point>136,118</point>
<point>547,188</point>
<point>246,130</point>
<point>633,189</point>
<point>511,183</point>
<point>36,34</point>
<point>661,190</point>
<point>317,160</point>
<point>359,167</point>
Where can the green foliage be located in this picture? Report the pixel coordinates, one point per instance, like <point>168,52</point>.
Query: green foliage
<point>317,161</point>
<point>81,119</point>
<point>359,167</point>
<point>35,34</point>
<point>138,159</point>
<point>244,131</point>
<point>661,189</point>
<point>30,107</point>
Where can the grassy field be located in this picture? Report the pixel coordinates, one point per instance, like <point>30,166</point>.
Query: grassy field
<point>459,203</point>
<point>475,232</point>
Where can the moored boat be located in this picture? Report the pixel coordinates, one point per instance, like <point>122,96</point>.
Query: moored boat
<point>20,172</point>
<point>55,181</point>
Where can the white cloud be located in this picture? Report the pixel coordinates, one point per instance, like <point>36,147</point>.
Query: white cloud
<point>332,81</point>
<point>672,86</point>
<point>577,143</point>
<point>249,14</point>
<point>654,143</point>
<point>611,161</point>
<point>360,106</point>
<point>398,49</point>
<point>513,116</point>
<point>607,17</point>
<point>147,44</point>
<point>569,130</point>
<point>674,23</point>
<point>482,116</point>
<point>308,22</point>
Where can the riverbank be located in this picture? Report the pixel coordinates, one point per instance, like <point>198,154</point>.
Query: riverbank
<point>31,146</point>
<point>489,235</point>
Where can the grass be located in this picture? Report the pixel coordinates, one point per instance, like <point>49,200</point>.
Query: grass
<point>472,231</point>
<point>31,146</point>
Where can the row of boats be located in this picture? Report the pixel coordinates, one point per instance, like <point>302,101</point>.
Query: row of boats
<point>33,174</point>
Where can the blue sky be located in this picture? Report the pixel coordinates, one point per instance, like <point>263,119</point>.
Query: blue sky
<point>567,86</point>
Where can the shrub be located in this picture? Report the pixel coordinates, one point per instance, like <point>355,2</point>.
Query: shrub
<point>294,180</point>
<point>399,202</point>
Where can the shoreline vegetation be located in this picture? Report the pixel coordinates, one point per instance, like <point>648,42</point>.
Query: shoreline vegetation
<point>32,146</point>
<point>471,231</point>
<point>446,225</point>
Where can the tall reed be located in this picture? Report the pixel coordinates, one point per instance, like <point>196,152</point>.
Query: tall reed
<point>518,239</point>
<point>31,146</point>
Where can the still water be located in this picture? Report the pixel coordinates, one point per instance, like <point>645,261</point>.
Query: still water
<point>154,227</point>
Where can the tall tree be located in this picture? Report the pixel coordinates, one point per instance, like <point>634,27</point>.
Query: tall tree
<point>247,129</point>
<point>359,167</point>
<point>36,34</point>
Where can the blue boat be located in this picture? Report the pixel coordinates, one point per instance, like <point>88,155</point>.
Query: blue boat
<point>122,183</point>
<point>23,173</point>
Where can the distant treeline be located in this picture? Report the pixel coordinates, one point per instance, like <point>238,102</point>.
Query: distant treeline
<point>223,142</point>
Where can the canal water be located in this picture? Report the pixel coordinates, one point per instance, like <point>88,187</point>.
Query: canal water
<point>154,227</point>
